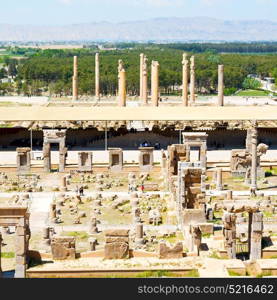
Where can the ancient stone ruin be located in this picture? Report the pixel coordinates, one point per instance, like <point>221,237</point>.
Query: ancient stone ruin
<point>53,136</point>
<point>117,244</point>
<point>196,140</point>
<point>17,216</point>
<point>255,227</point>
<point>23,160</point>
<point>115,159</point>
<point>166,252</point>
<point>84,161</point>
<point>63,248</point>
<point>146,159</point>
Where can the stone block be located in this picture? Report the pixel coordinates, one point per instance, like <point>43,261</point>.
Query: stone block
<point>165,252</point>
<point>63,248</point>
<point>117,250</point>
<point>117,239</point>
<point>117,232</point>
<point>117,244</point>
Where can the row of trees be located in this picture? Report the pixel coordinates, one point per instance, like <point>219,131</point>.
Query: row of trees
<point>265,47</point>
<point>51,70</point>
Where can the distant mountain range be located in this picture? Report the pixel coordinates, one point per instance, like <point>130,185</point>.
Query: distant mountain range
<point>162,29</point>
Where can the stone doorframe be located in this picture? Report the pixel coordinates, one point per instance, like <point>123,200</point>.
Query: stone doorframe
<point>255,227</point>
<point>23,160</point>
<point>148,154</point>
<point>196,139</point>
<point>115,166</point>
<point>54,136</point>
<point>19,217</point>
<point>85,161</point>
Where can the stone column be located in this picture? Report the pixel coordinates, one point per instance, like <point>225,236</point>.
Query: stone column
<point>20,249</point>
<point>229,195</point>
<point>254,141</point>
<point>141,76</point>
<point>192,80</point>
<point>248,140</point>
<point>97,77</point>
<point>164,165</point>
<point>46,157</point>
<point>256,236</point>
<point>221,85</point>
<point>53,213</point>
<point>75,79</point>
<point>229,232</point>
<point>63,184</point>
<point>62,155</point>
<point>203,155</point>
<point>185,79</point>
<point>46,238</point>
<point>0,254</point>
<point>93,225</point>
<point>219,186</point>
<point>92,243</point>
<point>155,83</point>
<point>139,233</point>
<point>121,84</point>
<point>144,81</point>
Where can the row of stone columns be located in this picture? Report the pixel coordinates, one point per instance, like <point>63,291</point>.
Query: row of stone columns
<point>154,81</point>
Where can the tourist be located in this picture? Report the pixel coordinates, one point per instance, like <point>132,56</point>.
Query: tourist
<point>81,191</point>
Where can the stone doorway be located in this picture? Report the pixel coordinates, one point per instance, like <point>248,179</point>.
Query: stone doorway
<point>146,159</point>
<point>196,140</point>
<point>53,136</point>
<point>194,154</point>
<point>23,160</point>
<point>17,217</point>
<point>253,236</point>
<point>115,159</point>
<point>85,161</point>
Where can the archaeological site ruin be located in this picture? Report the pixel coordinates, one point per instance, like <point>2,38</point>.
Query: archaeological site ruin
<point>118,186</point>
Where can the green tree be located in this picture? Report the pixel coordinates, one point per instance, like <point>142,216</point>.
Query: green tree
<point>251,83</point>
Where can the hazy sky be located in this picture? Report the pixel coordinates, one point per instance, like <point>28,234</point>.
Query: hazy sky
<point>83,11</point>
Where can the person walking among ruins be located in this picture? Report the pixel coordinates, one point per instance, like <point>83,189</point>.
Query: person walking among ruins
<point>81,190</point>
<point>142,187</point>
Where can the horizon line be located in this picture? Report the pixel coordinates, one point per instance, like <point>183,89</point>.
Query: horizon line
<point>141,20</point>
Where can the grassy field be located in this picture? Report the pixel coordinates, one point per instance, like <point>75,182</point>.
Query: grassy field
<point>252,93</point>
